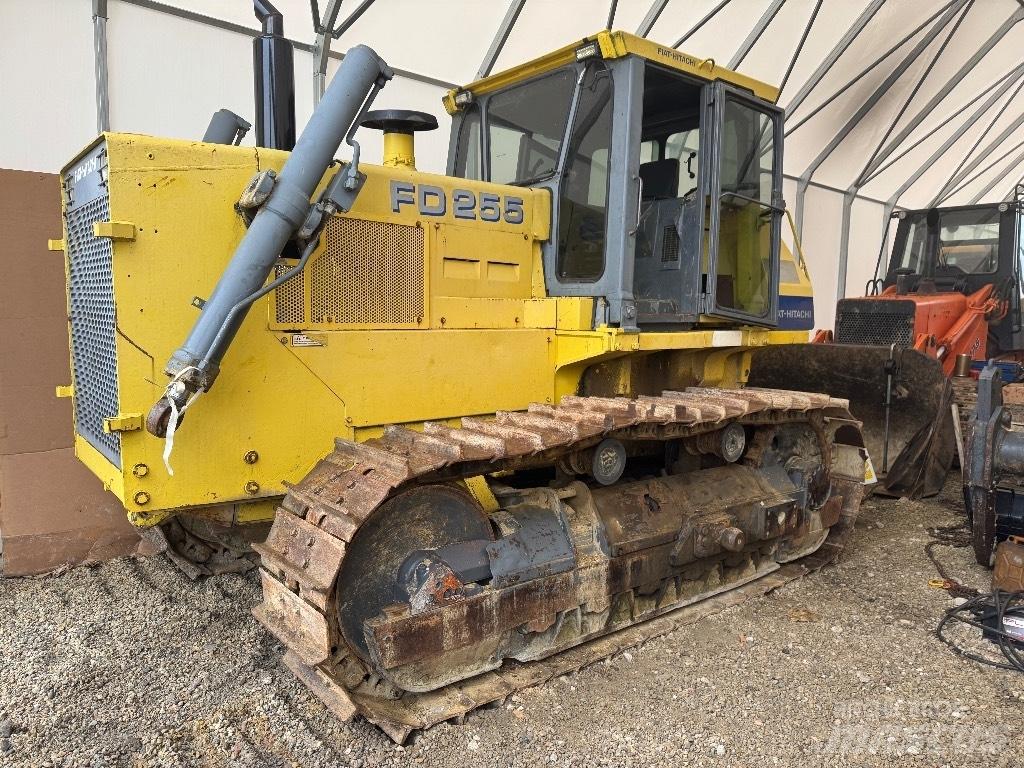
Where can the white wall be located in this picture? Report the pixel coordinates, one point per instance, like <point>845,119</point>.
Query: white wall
<point>167,76</point>
<point>46,82</point>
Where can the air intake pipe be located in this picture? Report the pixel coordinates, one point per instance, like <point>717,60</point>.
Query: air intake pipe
<point>274,70</point>
<point>284,208</point>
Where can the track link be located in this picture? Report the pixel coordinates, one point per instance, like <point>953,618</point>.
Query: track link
<point>320,515</point>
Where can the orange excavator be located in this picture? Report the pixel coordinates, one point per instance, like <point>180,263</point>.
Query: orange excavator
<point>952,287</point>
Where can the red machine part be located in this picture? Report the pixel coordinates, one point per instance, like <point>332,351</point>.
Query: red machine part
<point>951,324</point>
<point>947,324</point>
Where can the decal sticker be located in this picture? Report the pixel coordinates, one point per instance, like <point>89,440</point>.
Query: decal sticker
<point>430,200</point>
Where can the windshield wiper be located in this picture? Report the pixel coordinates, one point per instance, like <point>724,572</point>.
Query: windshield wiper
<point>531,180</point>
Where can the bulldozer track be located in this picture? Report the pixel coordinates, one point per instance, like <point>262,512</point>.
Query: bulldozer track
<point>320,515</point>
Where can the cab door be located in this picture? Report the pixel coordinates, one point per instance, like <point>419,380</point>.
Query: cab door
<point>740,275</point>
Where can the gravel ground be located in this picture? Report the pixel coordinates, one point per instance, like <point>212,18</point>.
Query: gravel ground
<point>131,664</point>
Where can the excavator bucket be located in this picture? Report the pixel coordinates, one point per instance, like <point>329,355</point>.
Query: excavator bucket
<point>913,450</point>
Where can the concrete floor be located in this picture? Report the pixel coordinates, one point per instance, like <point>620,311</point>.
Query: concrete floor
<point>131,664</point>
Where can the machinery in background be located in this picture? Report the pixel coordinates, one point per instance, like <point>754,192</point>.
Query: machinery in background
<point>494,415</point>
<point>993,486</point>
<point>951,287</point>
<point>993,470</point>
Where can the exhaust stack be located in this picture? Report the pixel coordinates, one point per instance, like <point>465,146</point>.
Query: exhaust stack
<point>274,87</point>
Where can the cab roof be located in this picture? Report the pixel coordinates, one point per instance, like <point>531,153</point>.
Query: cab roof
<point>614,45</point>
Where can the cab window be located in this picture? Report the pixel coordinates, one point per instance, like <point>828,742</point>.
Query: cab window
<point>584,186</point>
<point>746,210</point>
<point>525,126</point>
<point>467,154</point>
<point>968,242</point>
<point>683,146</point>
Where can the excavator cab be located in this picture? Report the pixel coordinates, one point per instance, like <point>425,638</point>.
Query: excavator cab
<point>666,186</point>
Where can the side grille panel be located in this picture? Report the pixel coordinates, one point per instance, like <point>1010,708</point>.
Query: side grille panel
<point>670,247</point>
<point>880,323</point>
<point>366,273</point>
<point>290,297</point>
<point>93,323</point>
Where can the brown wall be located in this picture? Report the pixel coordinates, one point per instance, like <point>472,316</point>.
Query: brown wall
<point>52,509</point>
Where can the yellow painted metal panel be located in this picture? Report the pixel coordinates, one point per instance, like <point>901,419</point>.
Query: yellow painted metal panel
<point>263,401</point>
<point>615,45</point>
<point>115,230</point>
<point>412,376</point>
<point>477,262</point>
<point>100,466</point>
<point>706,69</point>
<point>541,313</point>
<point>489,338</point>
<point>125,422</point>
<point>458,312</point>
<point>576,313</point>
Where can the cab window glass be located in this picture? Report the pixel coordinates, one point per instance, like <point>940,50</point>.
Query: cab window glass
<point>967,243</point>
<point>584,187</point>
<point>467,155</point>
<point>525,128</point>
<point>746,214</point>
<point>648,151</point>
<point>683,146</point>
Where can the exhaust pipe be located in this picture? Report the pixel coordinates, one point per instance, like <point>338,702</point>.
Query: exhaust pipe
<point>195,365</point>
<point>226,128</point>
<point>274,71</point>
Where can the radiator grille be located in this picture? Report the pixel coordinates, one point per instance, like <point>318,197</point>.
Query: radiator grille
<point>369,273</point>
<point>91,304</point>
<point>876,327</point>
<point>670,244</point>
<point>290,298</point>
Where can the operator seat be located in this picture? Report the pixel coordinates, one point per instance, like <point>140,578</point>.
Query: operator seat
<point>659,203</point>
<point>660,179</point>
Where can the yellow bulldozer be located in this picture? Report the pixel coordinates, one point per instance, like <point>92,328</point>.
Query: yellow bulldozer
<point>480,426</point>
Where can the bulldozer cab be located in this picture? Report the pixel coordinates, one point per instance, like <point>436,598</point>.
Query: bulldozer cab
<point>665,185</point>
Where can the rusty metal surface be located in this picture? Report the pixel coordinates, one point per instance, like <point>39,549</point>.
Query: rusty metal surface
<point>921,440</point>
<point>344,490</point>
<point>296,623</point>
<point>334,696</point>
<point>1008,569</point>
<point>399,718</point>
